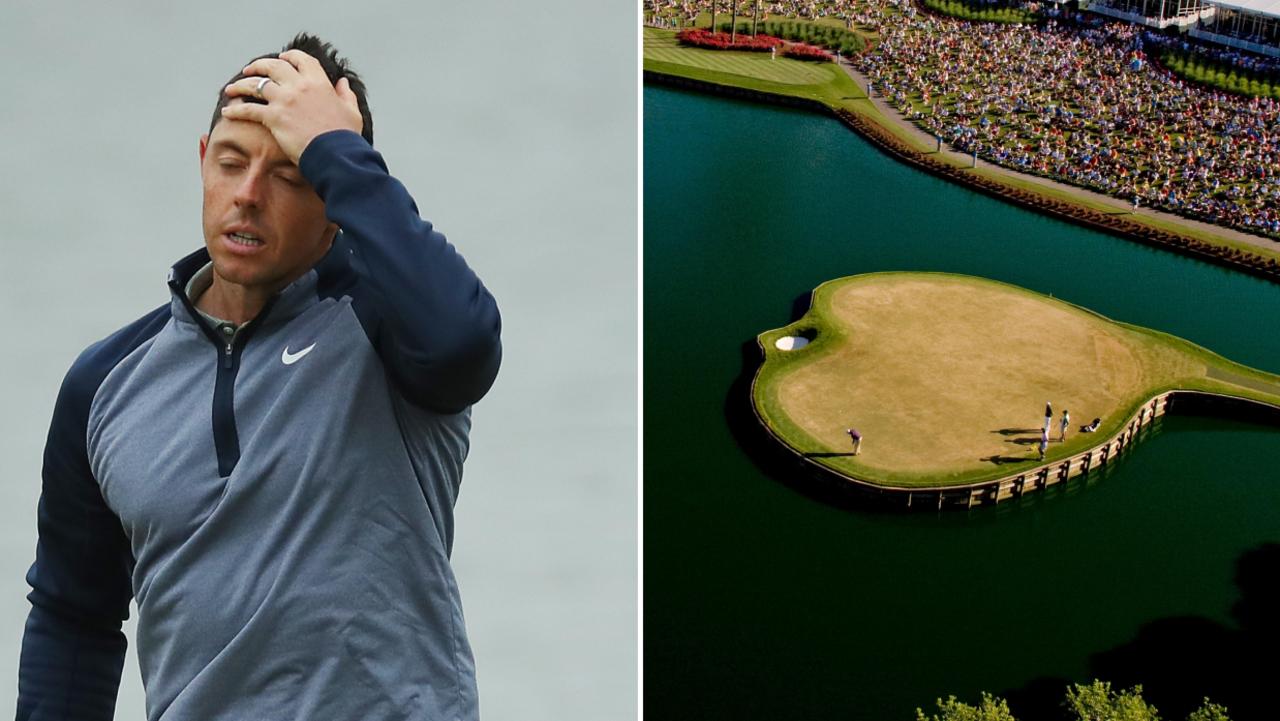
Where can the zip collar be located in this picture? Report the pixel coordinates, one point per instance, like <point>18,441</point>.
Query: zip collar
<point>285,305</point>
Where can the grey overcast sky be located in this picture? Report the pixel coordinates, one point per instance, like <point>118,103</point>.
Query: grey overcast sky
<point>514,126</point>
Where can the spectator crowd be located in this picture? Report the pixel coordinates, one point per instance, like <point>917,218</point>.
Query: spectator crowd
<point>1073,98</point>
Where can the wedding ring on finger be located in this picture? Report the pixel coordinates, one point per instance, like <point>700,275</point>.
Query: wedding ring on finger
<point>262,82</point>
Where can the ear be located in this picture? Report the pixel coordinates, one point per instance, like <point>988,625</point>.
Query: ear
<point>204,145</point>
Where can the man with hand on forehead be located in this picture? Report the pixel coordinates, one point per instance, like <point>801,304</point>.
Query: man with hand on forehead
<point>269,462</point>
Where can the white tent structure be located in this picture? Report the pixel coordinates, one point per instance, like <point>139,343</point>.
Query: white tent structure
<point>1252,25</point>
<point>1153,13</point>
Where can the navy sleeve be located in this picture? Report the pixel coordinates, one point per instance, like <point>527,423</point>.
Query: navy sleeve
<point>82,578</point>
<point>432,321</point>
<point>73,648</point>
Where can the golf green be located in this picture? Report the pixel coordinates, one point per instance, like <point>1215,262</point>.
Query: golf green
<point>946,378</point>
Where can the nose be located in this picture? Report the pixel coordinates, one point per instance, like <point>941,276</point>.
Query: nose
<point>249,189</point>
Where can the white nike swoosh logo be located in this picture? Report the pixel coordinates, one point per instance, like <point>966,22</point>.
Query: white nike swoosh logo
<point>290,358</point>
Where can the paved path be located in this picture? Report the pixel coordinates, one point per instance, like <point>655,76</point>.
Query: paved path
<point>1117,205</point>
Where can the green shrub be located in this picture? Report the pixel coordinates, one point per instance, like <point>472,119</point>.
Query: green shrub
<point>830,37</point>
<point>1096,701</point>
<point>965,11</point>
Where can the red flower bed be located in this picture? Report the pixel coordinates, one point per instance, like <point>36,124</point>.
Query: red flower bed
<point>800,51</point>
<point>720,41</point>
<point>760,43</point>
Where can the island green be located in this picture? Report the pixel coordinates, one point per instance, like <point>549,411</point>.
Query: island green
<point>947,376</point>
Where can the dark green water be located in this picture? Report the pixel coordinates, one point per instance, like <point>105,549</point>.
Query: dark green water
<point>763,603</point>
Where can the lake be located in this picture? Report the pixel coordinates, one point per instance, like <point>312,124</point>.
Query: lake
<point>762,601</point>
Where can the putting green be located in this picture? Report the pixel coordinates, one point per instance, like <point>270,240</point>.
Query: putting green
<point>947,376</point>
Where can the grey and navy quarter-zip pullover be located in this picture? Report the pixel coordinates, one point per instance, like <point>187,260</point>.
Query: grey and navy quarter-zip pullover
<point>281,506</point>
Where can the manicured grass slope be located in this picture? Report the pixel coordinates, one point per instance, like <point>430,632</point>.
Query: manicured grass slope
<point>946,376</point>
<point>821,81</point>
<point>662,47</point>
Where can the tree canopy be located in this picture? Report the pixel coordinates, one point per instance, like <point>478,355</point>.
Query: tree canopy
<point>1095,701</point>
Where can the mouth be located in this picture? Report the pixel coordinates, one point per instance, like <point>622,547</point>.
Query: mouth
<point>246,240</point>
<point>243,243</point>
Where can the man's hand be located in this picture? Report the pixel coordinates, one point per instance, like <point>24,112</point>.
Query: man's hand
<point>301,103</point>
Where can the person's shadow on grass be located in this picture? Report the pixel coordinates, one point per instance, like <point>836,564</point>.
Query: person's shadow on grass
<point>1000,460</point>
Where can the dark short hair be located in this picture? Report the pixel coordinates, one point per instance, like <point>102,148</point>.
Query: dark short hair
<point>335,67</point>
